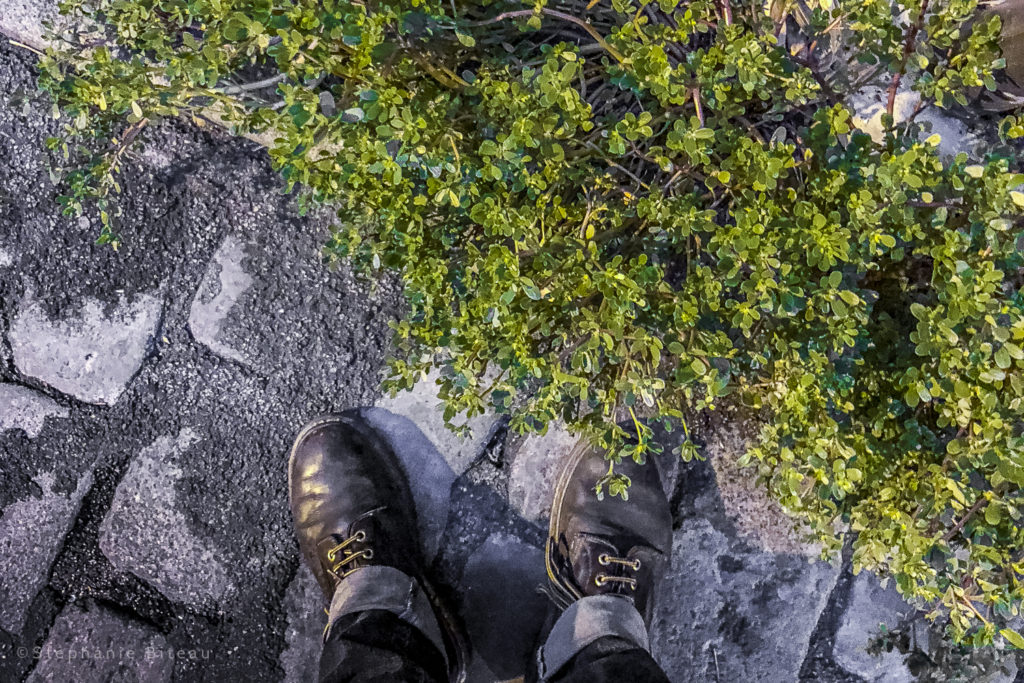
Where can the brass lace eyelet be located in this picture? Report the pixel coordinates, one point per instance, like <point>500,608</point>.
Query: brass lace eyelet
<point>600,579</point>
<point>603,560</point>
<point>636,565</point>
<point>368,553</point>
<point>360,536</point>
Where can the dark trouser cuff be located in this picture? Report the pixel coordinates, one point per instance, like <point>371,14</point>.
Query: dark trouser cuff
<point>388,589</point>
<point>377,647</point>
<point>586,621</point>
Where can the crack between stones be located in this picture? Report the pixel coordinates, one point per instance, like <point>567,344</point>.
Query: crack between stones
<point>819,664</point>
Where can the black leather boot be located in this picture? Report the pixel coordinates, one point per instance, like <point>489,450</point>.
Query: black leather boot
<point>353,508</point>
<point>608,546</point>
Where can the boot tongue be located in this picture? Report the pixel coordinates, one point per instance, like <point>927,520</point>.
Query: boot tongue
<point>589,567</point>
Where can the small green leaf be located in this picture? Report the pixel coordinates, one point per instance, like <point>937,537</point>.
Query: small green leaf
<point>974,171</point>
<point>1013,638</point>
<point>849,297</point>
<point>993,514</point>
<point>531,289</point>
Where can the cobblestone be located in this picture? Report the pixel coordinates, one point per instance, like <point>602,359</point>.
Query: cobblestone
<point>32,531</point>
<point>871,606</point>
<point>304,606</point>
<point>535,467</point>
<point>146,532</point>
<point>91,356</point>
<point>224,282</point>
<point>504,615</point>
<point>25,409</point>
<point>23,19</point>
<point>730,612</point>
<point>93,643</point>
<point>422,407</point>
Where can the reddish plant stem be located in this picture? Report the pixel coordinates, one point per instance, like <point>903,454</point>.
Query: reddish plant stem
<point>908,49</point>
<point>978,504</point>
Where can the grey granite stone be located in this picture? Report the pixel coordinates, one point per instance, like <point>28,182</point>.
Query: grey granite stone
<point>304,609</point>
<point>32,531</point>
<point>504,611</point>
<point>730,612</point>
<point>535,468</point>
<point>430,476</point>
<point>92,356</point>
<point>871,606</point>
<point>93,643</point>
<point>23,20</point>
<point>422,406</point>
<point>223,284</point>
<point>147,534</point>
<point>23,408</point>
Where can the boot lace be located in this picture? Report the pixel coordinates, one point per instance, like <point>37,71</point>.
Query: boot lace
<point>606,560</point>
<point>348,556</point>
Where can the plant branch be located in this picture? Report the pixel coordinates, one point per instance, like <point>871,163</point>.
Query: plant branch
<point>908,49</point>
<point>585,25</point>
<point>978,504</point>
<point>256,85</point>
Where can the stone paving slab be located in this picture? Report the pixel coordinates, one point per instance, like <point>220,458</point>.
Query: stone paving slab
<point>304,607</point>
<point>503,607</point>
<point>875,610</point>
<point>422,407</point>
<point>23,19</point>
<point>25,409</point>
<point>91,356</point>
<point>145,533</point>
<point>223,283</point>
<point>32,531</point>
<point>730,612</point>
<point>871,606</point>
<point>535,467</point>
<point>92,643</point>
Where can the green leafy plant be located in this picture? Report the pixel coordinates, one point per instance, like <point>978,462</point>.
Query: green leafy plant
<point>625,208</point>
<point>931,657</point>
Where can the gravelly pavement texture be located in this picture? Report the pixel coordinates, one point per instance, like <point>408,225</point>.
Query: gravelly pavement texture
<point>148,398</point>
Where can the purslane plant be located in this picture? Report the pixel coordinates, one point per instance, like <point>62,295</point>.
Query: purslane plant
<point>630,208</point>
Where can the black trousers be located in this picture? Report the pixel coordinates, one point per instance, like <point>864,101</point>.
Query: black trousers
<point>377,647</point>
